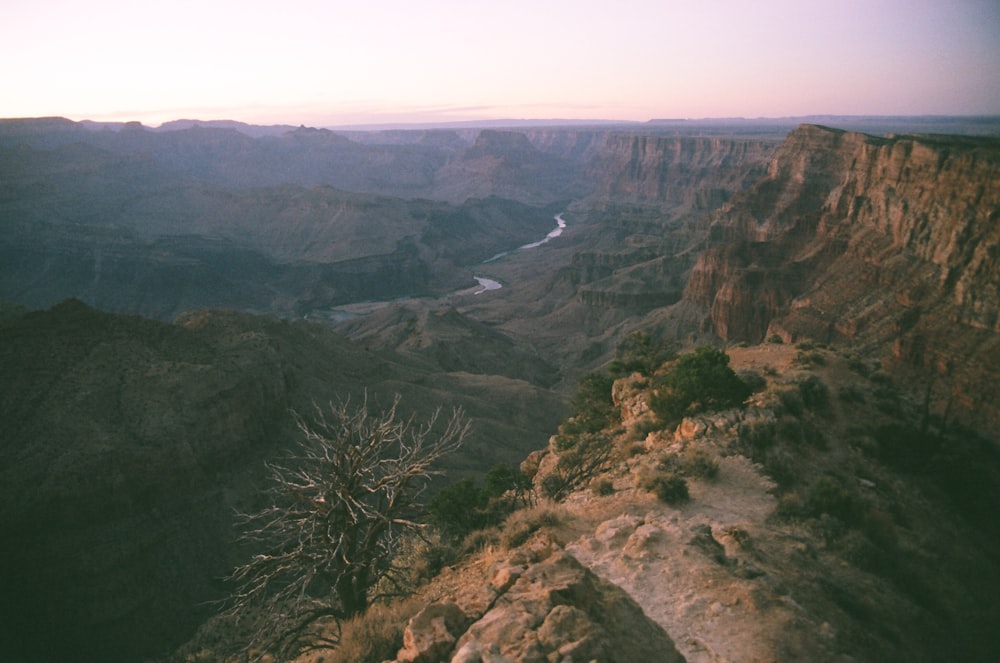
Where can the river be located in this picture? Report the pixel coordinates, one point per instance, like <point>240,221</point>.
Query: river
<point>487,284</point>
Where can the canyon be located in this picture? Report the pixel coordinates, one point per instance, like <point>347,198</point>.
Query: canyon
<point>129,441</point>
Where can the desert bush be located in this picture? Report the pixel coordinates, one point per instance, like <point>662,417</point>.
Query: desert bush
<point>669,487</point>
<point>753,379</point>
<point>814,392</point>
<point>579,459</point>
<point>757,437</point>
<point>828,496</point>
<point>593,407</point>
<point>700,464</point>
<point>459,508</point>
<point>790,401</point>
<point>859,366</point>
<point>603,487</point>
<point>778,465</point>
<point>807,359</point>
<point>376,635</point>
<point>643,427</point>
<point>801,431</point>
<point>640,353</point>
<point>700,381</point>
<point>775,339</point>
<point>521,524</point>
<point>851,393</point>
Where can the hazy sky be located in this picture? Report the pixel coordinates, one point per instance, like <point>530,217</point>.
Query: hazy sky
<point>335,62</point>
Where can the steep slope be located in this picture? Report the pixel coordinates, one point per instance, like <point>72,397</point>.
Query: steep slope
<point>882,242</point>
<point>127,443</point>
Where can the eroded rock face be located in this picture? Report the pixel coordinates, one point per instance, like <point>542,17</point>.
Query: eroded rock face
<point>541,605</point>
<point>886,242</point>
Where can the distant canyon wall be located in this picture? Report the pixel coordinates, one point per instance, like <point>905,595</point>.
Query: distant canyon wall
<point>700,172</point>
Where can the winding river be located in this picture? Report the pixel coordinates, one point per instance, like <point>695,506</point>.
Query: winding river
<point>486,284</point>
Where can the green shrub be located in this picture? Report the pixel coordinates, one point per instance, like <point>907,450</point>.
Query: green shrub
<point>700,381</point>
<point>459,508</point>
<point>503,478</point>
<point>593,407</point>
<point>776,339</point>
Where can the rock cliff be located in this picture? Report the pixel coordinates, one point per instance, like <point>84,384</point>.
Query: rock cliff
<point>883,242</point>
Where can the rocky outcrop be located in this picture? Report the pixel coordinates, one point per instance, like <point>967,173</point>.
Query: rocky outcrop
<point>538,605</point>
<point>884,242</point>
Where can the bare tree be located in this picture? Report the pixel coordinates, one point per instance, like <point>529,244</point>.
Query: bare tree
<point>338,506</point>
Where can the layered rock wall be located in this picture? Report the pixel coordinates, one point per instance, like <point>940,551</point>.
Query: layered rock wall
<point>699,172</point>
<point>885,242</point>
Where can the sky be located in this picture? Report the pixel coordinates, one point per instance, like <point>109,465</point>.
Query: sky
<point>329,63</point>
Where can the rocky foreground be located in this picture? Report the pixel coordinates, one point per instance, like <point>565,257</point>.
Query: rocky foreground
<point>803,537</point>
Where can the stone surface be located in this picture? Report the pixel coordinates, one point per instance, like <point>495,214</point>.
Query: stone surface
<point>556,610</point>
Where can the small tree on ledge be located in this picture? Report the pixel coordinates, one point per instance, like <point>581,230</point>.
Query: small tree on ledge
<point>338,506</point>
